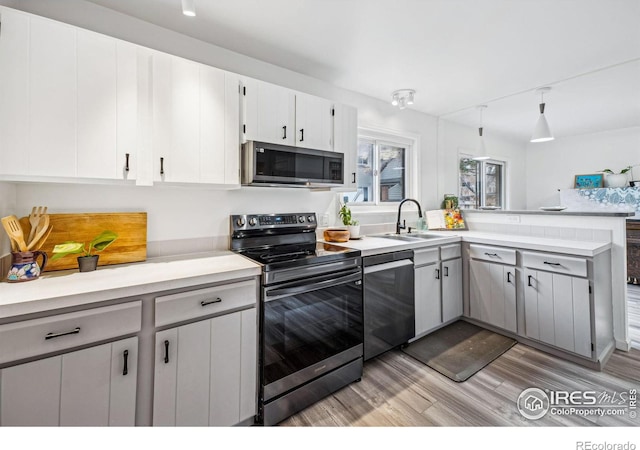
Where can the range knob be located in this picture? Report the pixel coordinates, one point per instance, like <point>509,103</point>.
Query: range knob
<point>253,221</point>
<point>309,218</point>
<point>301,219</point>
<point>240,221</point>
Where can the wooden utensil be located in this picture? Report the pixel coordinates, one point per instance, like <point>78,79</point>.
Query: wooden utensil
<point>43,225</point>
<point>40,242</point>
<point>34,219</point>
<point>14,230</point>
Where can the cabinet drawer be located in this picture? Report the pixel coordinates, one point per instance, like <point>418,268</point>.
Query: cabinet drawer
<point>50,334</point>
<point>426,256</point>
<point>450,252</point>
<point>554,263</point>
<point>493,254</point>
<point>202,302</point>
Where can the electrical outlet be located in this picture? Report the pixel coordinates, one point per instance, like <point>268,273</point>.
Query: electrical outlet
<point>513,219</point>
<point>324,220</point>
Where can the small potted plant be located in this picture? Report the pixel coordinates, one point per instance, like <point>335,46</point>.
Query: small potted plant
<point>617,180</point>
<point>349,222</point>
<point>88,261</point>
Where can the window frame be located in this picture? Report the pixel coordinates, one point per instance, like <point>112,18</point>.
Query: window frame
<point>410,143</point>
<point>481,181</point>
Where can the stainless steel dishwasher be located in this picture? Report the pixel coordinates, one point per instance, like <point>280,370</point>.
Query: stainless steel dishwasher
<point>389,317</point>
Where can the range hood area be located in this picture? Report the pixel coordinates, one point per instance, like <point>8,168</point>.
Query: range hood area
<point>266,164</point>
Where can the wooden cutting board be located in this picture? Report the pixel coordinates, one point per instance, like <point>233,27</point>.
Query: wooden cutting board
<point>131,245</point>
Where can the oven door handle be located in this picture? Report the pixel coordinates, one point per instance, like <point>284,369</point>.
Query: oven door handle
<point>275,294</point>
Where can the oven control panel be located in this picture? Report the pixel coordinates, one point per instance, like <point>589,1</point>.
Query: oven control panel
<point>266,221</point>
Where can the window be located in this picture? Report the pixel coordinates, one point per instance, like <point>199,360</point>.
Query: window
<point>481,183</point>
<point>382,175</point>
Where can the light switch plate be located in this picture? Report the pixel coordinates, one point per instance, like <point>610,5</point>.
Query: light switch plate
<point>513,219</point>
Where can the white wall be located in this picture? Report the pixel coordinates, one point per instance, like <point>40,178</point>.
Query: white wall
<point>7,207</point>
<point>553,165</point>
<point>454,139</point>
<point>205,211</point>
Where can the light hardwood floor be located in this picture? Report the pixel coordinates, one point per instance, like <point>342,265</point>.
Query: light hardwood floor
<point>397,390</point>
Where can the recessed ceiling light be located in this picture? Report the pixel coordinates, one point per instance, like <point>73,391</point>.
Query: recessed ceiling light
<point>189,8</point>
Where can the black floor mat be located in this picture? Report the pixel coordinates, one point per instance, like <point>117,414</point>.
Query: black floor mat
<point>459,350</point>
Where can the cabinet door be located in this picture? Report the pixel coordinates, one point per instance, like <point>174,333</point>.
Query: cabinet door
<point>232,122</point>
<point>225,344</point>
<point>557,311</point>
<point>345,140</point>
<point>269,113</point>
<point>249,364</point>
<point>80,388</point>
<point>480,290</point>
<point>493,294</point>
<point>313,122</point>
<point>428,309</point>
<point>14,93</point>
<point>30,393</point>
<point>451,289</point>
<point>212,125</point>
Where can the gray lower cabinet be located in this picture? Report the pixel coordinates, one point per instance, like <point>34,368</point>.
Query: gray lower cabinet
<point>492,294</point>
<point>438,287</point>
<point>95,386</point>
<point>206,371</point>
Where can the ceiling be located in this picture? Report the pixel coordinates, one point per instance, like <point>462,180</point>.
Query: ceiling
<point>456,54</point>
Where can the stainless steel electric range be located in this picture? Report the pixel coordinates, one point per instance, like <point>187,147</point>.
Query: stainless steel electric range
<point>311,311</point>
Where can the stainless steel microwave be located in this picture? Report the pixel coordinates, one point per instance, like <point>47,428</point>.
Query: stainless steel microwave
<point>265,164</point>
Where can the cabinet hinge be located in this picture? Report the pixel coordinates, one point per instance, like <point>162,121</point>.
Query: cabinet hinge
<point>244,128</point>
<point>244,90</point>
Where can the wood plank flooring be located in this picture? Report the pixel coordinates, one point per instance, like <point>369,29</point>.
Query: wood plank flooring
<point>398,391</point>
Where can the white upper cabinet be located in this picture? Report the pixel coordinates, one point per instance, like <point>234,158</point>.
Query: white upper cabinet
<point>282,116</point>
<point>69,103</point>
<point>195,122</point>
<point>345,140</point>
<point>314,124</point>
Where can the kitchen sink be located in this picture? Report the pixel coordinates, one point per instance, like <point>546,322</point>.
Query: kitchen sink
<point>408,237</point>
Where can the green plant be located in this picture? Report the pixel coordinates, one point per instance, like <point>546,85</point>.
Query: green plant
<point>625,170</point>
<point>98,243</point>
<point>345,216</point>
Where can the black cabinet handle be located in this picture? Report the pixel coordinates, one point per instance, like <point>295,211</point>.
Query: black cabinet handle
<point>491,254</point>
<point>48,336</point>
<point>161,166</point>
<point>529,281</point>
<point>284,132</point>
<point>552,264</point>
<point>508,277</point>
<point>301,134</point>
<point>437,274</point>
<point>125,371</point>
<point>166,352</point>
<point>210,302</point>
<point>126,163</point>
<point>353,177</point>
<point>446,271</point>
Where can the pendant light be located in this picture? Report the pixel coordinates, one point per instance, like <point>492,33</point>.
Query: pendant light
<point>189,8</point>
<point>542,133</point>
<point>482,149</point>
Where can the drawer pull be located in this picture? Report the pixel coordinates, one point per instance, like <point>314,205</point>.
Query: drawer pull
<point>48,336</point>
<point>437,274</point>
<point>552,264</point>
<point>446,271</point>
<point>126,165</point>
<point>210,302</point>
<point>491,254</point>
<point>508,277</point>
<point>529,281</point>
<point>125,371</point>
<point>284,132</point>
<point>166,352</point>
<point>161,166</point>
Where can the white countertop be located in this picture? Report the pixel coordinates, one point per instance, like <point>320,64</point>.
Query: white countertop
<point>375,244</point>
<point>63,289</point>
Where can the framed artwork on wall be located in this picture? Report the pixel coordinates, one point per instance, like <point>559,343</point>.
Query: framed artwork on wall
<point>590,181</point>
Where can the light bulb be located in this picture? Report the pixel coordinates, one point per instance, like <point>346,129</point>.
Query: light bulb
<point>189,8</point>
<point>394,100</point>
<point>410,99</point>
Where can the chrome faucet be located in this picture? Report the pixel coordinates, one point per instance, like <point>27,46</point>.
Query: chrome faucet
<point>403,225</point>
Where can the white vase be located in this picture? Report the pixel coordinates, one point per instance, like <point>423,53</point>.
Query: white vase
<point>616,180</point>
<point>354,231</point>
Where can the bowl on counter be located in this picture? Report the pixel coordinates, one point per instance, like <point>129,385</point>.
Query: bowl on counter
<point>336,235</point>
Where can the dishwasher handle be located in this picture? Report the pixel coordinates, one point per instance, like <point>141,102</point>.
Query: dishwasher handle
<point>388,266</point>
<point>276,293</point>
